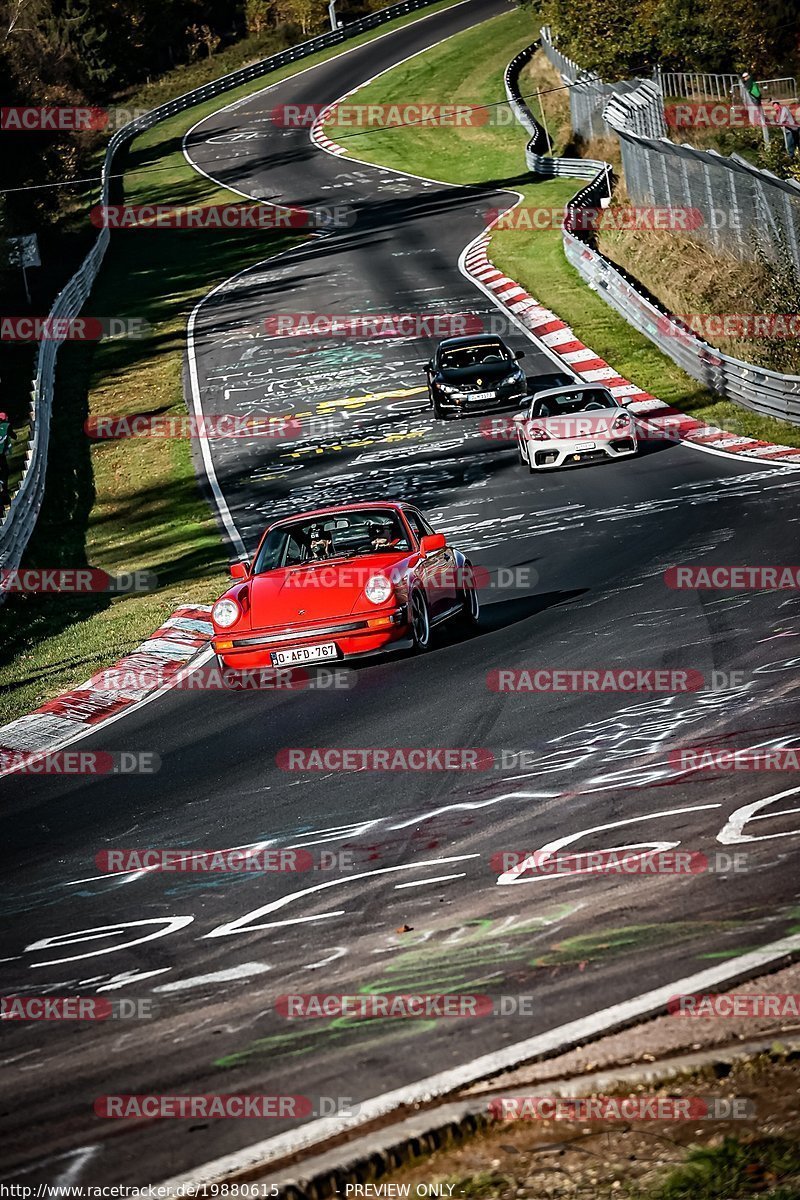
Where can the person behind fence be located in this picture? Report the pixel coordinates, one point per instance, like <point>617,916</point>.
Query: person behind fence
<point>750,86</point>
<point>6,438</point>
<point>783,116</point>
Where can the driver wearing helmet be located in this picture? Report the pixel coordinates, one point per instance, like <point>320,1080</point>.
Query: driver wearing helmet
<point>320,542</point>
<point>380,536</point>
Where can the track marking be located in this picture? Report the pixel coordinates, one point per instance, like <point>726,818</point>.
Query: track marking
<point>554,1041</point>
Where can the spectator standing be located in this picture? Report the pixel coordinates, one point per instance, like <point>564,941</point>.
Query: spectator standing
<point>750,86</point>
<point>783,116</point>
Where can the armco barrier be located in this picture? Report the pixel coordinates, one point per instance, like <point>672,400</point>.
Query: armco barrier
<point>743,208</point>
<point>753,387</point>
<point>20,518</point>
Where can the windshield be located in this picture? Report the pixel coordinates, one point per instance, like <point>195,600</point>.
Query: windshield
<point>484,353</point>
<point>342,535</point>
<point>573,402</point>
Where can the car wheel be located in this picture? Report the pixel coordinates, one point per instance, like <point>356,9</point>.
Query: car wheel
<point>521,453</point>
<point>437,412</point>
<point>469,617</point>
<point>420,621</point>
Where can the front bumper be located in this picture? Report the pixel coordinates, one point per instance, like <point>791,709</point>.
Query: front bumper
<point>460,406</point>
<point>555,453</point>
<point>355,636</point>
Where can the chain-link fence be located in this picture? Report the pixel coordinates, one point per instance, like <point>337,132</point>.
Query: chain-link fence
<point>753,387</point>
<point>734,206</point>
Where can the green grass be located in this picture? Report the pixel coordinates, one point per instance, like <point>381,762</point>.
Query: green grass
<point>133,504</point>
<point>469,68</point>
<point>768,1167</point>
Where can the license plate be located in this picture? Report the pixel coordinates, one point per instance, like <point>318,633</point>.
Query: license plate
<point>303,654</point>
<point>481,396</point>
<point>585,446</point>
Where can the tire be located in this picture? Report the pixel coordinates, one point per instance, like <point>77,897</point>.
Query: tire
<point>521,459</point>
<point>419,619</point>
<point>470,615</point>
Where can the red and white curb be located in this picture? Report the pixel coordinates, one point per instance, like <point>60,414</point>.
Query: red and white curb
<point>317,133</point>
<point>563,346</point>
<point>160,658</point>
<point>561,341</point>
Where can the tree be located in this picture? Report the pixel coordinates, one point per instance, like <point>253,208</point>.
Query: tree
<point>202,35</point>
<point>605,36</point>
<point>308,14</point>
<point>259,15</point>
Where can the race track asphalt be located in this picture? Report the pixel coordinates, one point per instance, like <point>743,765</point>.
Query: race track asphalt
<point>595,543</point>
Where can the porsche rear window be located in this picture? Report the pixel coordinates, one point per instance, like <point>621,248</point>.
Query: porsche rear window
<point>341,535</point>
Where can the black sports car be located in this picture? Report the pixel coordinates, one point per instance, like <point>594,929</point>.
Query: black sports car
<point>474,374</point>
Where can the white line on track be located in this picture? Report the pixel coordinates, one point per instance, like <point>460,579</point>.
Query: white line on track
<point>336,152</point>
<point>554,1041</point>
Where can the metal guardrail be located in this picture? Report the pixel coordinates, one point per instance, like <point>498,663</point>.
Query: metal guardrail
<point>743,208</point>
<point>20,519</point>
<point>761,390</point>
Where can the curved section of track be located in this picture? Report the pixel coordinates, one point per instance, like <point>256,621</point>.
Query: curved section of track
<point>591,771</point>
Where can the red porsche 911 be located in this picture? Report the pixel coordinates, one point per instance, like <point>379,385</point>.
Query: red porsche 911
<point>341,583</point>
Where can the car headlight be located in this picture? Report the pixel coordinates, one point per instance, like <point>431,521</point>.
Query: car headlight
<point>226,613</point>
<point>378,589</point>
<point>516,376</point>
<point>622,421</point>
<point>447,388</point>
<point>536,432</point>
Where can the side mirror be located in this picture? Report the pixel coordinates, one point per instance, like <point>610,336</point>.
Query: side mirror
<point>240,570</point>
<point>432,542</point>
<point>520,354</point>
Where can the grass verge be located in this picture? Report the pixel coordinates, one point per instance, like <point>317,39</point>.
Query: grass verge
<point>134,504</point>
<point>468,69</point>
<point>637,1160</point>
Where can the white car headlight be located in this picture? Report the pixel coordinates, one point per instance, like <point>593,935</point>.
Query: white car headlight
<point>448,389</point>
<point>378,589</point>
<point>516,376</point>
<point>226,612</point>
